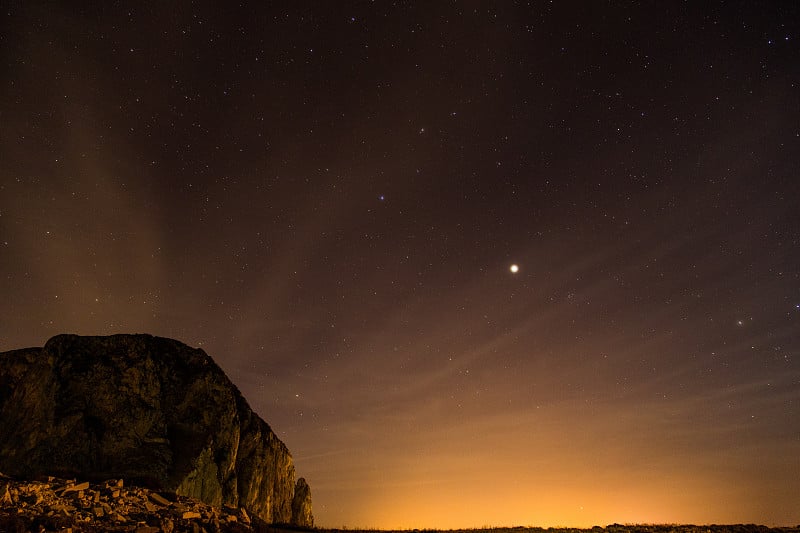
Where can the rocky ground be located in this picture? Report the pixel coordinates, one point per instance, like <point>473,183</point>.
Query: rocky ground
<point>55,504</point>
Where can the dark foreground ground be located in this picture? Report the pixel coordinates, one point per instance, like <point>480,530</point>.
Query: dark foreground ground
<point>75,506</point>
<point>72,506</point>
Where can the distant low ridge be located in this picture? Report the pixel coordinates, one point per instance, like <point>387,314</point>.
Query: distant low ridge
<point>147,409</point>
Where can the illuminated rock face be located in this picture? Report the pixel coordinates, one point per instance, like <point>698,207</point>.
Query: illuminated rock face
<point>301,505</point>
<point>145,408</point>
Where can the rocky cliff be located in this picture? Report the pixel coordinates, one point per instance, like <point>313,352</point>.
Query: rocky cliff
<point>145,408</point>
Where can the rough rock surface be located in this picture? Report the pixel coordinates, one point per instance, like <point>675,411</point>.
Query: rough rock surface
<point>301,505</point>
<point>148,409</point>
<point>56,504</point>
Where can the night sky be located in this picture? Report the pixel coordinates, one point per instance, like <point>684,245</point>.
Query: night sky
<point>328,198</point>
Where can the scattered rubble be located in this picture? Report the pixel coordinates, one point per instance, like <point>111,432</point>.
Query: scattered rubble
<point>70,506</point>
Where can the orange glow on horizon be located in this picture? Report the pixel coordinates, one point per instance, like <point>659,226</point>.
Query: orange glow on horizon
<point>560,507</point>
<point>550,474</point>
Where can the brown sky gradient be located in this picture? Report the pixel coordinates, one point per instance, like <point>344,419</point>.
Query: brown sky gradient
<point>327,199</point>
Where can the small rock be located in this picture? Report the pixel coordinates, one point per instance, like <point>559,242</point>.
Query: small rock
<point>98,511</point>
<point>190,514</point>
<point>167,525</point>
<point>76,488</point>
<point>159,499</point>
<point>5,495</point>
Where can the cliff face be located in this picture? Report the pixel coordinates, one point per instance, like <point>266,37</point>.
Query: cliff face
<point>149,409</point>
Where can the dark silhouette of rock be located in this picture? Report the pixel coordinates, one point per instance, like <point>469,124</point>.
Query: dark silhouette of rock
<point>301,505</point>
<point>144,408</point>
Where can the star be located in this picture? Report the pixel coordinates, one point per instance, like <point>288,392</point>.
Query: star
<point>514,268</point>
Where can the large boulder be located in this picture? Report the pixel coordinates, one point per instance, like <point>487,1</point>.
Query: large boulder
<point>149,409</point>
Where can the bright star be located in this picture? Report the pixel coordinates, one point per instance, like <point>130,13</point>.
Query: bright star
<point>514,268</point>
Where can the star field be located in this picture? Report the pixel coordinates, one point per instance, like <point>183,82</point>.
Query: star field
<point>501,263</point>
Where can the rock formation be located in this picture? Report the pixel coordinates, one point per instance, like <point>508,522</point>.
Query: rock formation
<point>148,409</point>
<point>301,505</point>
